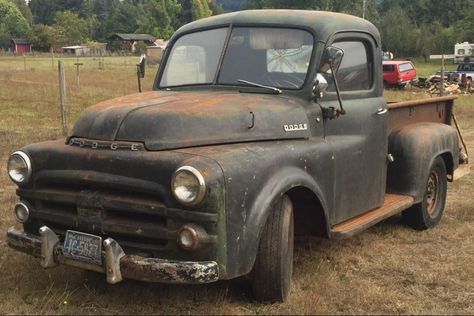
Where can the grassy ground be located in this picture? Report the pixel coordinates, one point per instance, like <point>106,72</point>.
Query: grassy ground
<point>387,269</point>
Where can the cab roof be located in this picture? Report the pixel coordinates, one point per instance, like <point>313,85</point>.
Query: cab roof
<point>323,24</point>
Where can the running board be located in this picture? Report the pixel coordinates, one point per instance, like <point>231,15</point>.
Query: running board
<point>393,204</point>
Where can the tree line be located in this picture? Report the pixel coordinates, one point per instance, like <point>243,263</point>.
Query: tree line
<point>407,27</point>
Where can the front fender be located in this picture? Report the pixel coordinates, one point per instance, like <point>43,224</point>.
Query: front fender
<point>280,183</point>
<point>414,147</point>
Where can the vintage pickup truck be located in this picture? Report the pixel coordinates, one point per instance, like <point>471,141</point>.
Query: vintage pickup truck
<point>261,125</point>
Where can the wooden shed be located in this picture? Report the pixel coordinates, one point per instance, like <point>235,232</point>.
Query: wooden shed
<point>20,45</point>
<point>125,41</point>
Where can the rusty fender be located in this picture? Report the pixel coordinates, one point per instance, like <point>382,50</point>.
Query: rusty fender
<point>256,175</point>
<point>414,147</point>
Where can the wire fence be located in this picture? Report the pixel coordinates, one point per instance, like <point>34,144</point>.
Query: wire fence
<point>45,62</point>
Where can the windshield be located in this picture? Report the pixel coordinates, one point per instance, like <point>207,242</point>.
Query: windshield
<point>274,57</point>
<point>466,67</point>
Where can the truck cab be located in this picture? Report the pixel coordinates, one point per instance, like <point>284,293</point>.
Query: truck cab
<point>261,125</point>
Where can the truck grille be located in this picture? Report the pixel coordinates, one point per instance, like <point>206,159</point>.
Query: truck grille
<point>137,221</point>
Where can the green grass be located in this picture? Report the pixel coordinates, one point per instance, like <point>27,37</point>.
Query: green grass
<point>389,269</point>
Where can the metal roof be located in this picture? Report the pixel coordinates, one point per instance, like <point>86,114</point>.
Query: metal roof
<point>135,37</point>
<point>21,41</point>
<point>322,23</point>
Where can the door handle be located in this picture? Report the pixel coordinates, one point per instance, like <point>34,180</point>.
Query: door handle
<point>381,111</point>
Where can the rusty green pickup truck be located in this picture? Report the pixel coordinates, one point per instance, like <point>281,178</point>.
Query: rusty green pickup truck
<point>261,126</point>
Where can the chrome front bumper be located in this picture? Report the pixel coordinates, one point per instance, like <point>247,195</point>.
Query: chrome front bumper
<point>116,264</point>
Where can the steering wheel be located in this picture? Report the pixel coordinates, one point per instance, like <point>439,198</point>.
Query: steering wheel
<point>289,81</point>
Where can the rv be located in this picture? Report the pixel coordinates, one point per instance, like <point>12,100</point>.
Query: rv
<point>463,52</point>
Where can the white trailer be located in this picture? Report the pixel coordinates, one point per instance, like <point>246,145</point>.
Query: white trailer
<point>463,52</point>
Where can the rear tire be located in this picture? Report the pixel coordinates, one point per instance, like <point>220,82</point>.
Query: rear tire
<point>429,212</point>
<point>271,274</point>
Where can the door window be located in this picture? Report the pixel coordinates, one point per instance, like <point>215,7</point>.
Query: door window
<point>354,72</point>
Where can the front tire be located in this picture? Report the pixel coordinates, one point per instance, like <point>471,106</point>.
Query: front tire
<point>429,212</point>
<point>271,274</point>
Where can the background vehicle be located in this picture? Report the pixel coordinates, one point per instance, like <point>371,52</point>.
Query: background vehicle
<point>262,125</point>
<point>462,75</point>
<point>398,72</point>
<point>463,52</point>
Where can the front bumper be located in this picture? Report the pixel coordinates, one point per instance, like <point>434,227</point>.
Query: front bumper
<point>116,264</point>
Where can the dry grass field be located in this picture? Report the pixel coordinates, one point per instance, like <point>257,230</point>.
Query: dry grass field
<point>389,269</point>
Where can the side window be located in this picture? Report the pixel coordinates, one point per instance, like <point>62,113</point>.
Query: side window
<point>355,71</point>
<point>388,68</point>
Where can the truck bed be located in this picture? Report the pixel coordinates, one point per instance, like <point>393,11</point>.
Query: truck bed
<point>437,110</point>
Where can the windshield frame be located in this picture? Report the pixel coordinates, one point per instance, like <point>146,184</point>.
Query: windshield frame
<point>230,27</point>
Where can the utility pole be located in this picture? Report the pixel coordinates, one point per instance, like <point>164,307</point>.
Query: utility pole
<point>363,8</point>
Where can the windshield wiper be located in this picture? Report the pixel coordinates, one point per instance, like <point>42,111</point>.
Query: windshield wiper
<point>253,84</point>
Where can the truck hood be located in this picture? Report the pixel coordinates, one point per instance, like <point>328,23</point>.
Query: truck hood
<point>170,120</point>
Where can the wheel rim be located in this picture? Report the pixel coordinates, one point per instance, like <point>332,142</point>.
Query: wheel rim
<point>432,189</point>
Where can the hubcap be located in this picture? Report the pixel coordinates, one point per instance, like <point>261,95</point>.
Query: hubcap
<point>432,193</point>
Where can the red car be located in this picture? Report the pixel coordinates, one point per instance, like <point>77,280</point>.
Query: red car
<point>398,72</point>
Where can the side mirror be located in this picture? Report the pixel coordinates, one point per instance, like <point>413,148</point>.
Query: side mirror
<point>141,65</point>
<point>319,86</point>
<point>332,59</point>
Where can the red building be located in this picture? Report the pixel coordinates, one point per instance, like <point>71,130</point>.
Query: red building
<point>20,45</point>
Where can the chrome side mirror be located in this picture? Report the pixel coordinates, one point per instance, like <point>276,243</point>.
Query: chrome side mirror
<point>319,86</point>
<point>332,59</point>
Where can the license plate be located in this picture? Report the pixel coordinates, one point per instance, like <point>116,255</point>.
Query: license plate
<point>83,247</point>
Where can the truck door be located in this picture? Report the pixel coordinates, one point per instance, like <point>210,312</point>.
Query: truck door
<point>358,138</point>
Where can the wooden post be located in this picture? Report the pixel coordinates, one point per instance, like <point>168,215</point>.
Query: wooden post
<point>139,78</point>
<point>24,62</point>
<point>77,72</point>
<point>62,96</point>
<point>441,93</point>
<point>363,8</point>
<point>52,58</point>
<point>101,61</point>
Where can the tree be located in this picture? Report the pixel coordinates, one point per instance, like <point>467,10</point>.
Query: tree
<point>122,18</point>
<point>24,9</point>
<point>42,37</point>
<point>192,10</point>
<point>232,5</point>
<point>465,28</point>
<point>446,12</point>
<point>71,28</point>
<point>215,7</point>
<point>354,7</point>
<point>158,17</point>
<point>12,23</point>
<point>200,9</point>
<point>398,32</point>
<point>44,11</point>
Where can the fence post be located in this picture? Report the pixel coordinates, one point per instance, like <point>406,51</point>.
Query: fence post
<point>52,58</point>
<point>442,76</point>
<point>77,64</point>
<point>62,96</point>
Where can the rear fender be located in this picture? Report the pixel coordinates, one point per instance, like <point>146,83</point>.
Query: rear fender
<point>414,147</point>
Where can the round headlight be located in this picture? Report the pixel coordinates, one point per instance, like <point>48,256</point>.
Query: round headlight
<point>187,238</point>
<point>19,167</point>
<point>188,185</point>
